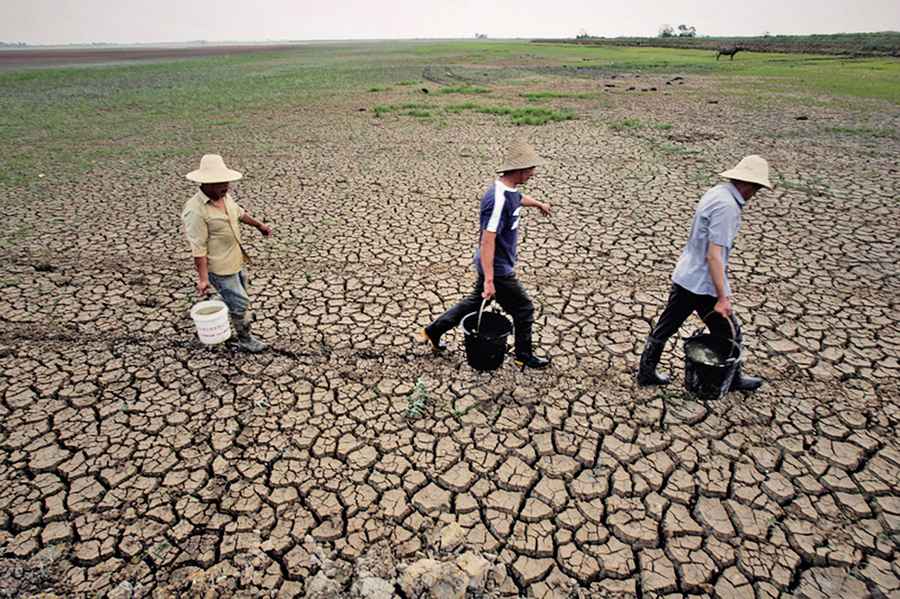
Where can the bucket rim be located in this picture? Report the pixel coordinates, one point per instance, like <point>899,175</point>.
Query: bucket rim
<point>207,304</point>
<point>462,322</point>
<point>736,355</point>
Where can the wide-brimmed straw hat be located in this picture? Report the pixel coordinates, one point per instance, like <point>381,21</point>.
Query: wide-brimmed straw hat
<point>752,169</point>
<point>213,170</point>
<point>520,155</point>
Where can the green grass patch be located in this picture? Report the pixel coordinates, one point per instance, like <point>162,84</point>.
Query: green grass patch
<point>519,116</point>
<point>382,110</point>
<point>626,125</point>
<point>410,82</point>
<point>462,107</point>
<point>378,89</point>
<point>407,109</point>
<point>877,78</point>
<point>545,95</point>
<point>464,89</point>
<point>812,187</point>
<point>523,116</point>
<point>882,133</point>
<point>674,150</point>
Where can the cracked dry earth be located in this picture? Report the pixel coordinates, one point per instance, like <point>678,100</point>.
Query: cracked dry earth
<point>136,462</point>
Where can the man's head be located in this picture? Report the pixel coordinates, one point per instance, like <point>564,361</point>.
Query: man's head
<point>213,176</point>
<point>519,163</point>
<point>749,176</point>
<point>518,176</point>
<point>215,191</point>
<point>747,190</point>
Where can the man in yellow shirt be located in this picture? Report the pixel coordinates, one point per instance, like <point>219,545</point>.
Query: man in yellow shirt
<point>212,225</point>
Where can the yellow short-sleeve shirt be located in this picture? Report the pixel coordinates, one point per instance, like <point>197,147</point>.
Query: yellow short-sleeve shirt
<point>214,233</point>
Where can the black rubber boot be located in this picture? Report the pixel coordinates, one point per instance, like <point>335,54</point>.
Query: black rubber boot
<point>647,375</point>
<point>525,357</point>
<point>532,361</point>
<point>245,340</point>
<point>741,382</point>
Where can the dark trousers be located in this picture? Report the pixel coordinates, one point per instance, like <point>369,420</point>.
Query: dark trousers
<point>682,303</point>
<point>511,296</point>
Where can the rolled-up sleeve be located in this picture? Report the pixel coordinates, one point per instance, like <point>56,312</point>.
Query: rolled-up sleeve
<point>196,232</point>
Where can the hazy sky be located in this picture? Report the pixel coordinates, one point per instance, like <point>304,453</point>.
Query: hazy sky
<point>123,21</point>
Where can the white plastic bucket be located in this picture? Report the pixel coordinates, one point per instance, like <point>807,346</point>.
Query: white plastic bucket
<point>211,318</point>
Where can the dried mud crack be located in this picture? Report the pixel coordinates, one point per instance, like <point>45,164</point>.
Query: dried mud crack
<point>135,461</point>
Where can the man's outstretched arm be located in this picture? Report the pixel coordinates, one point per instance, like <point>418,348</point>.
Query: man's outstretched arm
<point>530,202</point>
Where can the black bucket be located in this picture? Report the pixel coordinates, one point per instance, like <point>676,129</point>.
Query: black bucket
<point>485,338</point>
<point>710,362</point>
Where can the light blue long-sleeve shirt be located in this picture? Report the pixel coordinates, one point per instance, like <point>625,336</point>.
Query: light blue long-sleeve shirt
<point>716,220</point>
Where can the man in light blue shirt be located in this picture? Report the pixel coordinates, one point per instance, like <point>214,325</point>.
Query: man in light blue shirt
<point>700,281</point>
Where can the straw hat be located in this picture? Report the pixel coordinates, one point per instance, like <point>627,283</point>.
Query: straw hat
<point>519,155</point>
<point>213,170</point>
<point>752,169</point>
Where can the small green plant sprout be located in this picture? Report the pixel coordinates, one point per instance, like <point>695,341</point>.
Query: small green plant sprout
<point>417,401</point>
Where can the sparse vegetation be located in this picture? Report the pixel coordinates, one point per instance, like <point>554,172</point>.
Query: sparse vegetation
<point>523,116</point>
<point>624,124</point>
<point>464,89</point>
<point>417,401</point>
<point>519,116</point>
<point>675,150</point>
<point>546,95</point>
<point>410,107</point>
<point>76,119</point>
<point>874,132</point>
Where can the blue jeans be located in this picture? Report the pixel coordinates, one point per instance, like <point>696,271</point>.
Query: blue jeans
<point>233,289</point>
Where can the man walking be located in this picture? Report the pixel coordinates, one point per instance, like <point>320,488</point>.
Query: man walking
<point>700,281</point>
<point>495,258</point>
<point>211,223</point>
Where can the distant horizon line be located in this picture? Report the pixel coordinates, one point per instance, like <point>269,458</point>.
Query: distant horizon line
<point>263,42</point>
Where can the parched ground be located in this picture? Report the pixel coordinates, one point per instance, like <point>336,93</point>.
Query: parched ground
<point>136,462</point>
<point>18,58</point>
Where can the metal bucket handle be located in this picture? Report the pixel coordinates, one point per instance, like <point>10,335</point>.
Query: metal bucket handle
<point>484,303</point>
<point>734,345</point>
